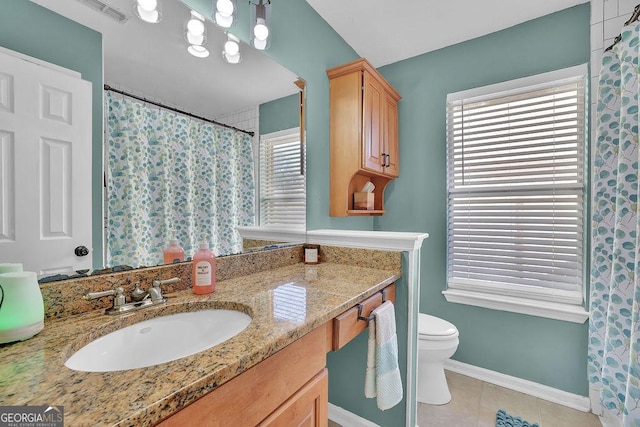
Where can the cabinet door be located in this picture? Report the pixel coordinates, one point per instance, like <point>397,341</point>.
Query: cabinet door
<point>391,163</point>
<point>309,407</point>
<point>372,125</point>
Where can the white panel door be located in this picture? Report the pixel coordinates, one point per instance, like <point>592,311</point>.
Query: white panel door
<point>45,167</point>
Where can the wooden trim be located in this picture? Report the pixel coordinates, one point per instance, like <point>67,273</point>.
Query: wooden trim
<point>347,326</point>
<point>363,65</point>
<point>329,335</point>
<point>302,114</point>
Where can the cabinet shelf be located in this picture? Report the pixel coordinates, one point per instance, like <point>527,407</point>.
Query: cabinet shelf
<point>363,212</point>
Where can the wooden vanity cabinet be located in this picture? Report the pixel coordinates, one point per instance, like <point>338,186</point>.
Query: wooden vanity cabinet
<point>308,407</point>
<point>289,388</point>
<point>363,135</point>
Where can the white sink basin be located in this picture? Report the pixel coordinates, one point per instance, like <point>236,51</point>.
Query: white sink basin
<point>159,340</point>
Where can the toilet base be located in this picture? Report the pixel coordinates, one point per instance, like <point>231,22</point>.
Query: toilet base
<point>432,384</point>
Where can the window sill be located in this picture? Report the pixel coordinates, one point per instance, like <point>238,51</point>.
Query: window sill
<point>550,310</point>
<point>283,233</point>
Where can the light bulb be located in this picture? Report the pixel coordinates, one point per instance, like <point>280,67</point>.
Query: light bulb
<point>195,27</point>
<point>231,48</point>
<point>224,7</point>
<point>195,39</point>
<point>224,21</point>
<point>148,5</point>
<point>152,17</point>
<point>260,44</point>
<point>231,59</point>
<point>198,51</point>
<point>260,30</point>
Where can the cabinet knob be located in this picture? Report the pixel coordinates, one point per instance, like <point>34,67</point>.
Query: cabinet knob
<point>387,160</point>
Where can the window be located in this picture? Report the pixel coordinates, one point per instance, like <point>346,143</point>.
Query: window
<point>516,190</point>
<point>282,180</point>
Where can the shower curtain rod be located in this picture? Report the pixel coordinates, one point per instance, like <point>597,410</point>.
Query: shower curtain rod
<point>175,110</point>
<point>634,17</point>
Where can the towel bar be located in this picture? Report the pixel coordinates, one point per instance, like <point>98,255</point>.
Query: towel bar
<point>361,306</point>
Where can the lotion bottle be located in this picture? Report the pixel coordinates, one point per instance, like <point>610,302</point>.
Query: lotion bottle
<point>204,270</point>
<point>173,252</point>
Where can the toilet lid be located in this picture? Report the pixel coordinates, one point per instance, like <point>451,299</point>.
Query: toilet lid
<point>435,327</point>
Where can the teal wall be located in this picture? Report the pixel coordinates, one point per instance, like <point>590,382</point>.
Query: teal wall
<point>305,44</point>
<point>280,114</point>
<point>347,368</point>
<point>546,351</point>
<point>53,38</point>
<point>541,350</point>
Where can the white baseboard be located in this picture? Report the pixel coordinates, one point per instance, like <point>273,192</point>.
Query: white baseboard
<point>348,419</point>
<point>554,395</point>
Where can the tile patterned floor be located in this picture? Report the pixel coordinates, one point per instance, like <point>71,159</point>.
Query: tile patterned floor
<point>474,403</point>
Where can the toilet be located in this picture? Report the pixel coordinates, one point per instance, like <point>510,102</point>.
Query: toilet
<point>437,342</point>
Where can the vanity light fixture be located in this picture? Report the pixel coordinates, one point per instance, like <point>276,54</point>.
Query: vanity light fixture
<point>195,33</point>
<point>148,10</point>
<point>231,51</point>
<point>260,33</point>
<point>224,13</point>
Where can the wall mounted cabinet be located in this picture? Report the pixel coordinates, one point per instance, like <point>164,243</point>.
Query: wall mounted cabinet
<point>363,135</point>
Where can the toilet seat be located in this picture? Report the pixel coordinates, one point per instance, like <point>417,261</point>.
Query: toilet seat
<point>434,328</point>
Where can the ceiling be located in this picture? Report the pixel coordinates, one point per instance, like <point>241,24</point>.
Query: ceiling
<point>387,31</point>
<point>151,60</point>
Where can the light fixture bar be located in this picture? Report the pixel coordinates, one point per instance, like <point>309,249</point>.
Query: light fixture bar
<point>260,23</point>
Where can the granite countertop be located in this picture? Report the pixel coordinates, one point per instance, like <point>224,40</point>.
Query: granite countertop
<point>284,303</point>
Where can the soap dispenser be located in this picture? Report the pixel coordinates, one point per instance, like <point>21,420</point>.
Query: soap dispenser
<point>203,270</point>
<point>173,252</point>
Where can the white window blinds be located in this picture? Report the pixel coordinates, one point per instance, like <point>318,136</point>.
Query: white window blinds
<point>282,180</point>
<point>516,190</point>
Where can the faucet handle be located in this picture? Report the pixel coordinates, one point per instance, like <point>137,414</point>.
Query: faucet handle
<point>118,296</point>
<point>158,283</point>
<point>156,293</point>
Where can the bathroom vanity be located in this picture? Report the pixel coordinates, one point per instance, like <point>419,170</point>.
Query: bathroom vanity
<point>272,373</point>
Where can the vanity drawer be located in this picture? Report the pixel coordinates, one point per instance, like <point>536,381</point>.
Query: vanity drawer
<point>347,325</point>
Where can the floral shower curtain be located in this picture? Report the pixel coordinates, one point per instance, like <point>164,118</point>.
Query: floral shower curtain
<point>614,326</point>
<point>167,172</point>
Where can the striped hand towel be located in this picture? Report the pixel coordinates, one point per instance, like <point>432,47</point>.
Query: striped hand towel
<point>382,379</point>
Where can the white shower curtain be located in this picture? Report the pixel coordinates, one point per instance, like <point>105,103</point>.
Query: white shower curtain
<point>167,172</point>
<point>614,326</point>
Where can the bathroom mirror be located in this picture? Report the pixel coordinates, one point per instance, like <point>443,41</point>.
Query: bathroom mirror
<point>150,60</point>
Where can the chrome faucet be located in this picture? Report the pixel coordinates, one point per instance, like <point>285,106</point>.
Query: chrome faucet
<point>139,298</point>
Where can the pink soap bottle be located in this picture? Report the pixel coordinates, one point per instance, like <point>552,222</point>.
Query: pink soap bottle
<point>204,270</point>
<point>173,252</point>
